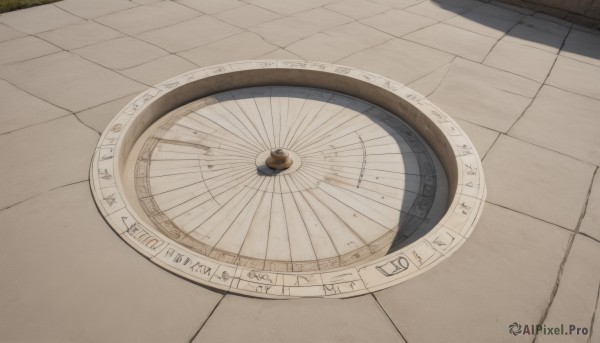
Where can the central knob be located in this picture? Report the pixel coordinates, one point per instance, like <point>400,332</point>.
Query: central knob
<point>279,160</point>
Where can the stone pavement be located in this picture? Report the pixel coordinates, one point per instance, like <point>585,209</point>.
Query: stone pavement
<point>525,87</point>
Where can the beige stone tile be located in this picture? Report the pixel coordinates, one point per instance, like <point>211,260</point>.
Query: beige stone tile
<point>246,45</point>
<point>545,25</point>
<point>359,33</point>
<point>536,181</point>
<point>522,60</point>
<point>358,319</point>
<point>79,35</point>
<point>20,109</point>
<point>443,9</point>
<point>357,9</point>
<point>91,279</point>
<point>190,34</point>
<point>159,70</point>
<point>212,6</point>
<point>456,41</point>
<point>575,76</point>
<point>564,122</point>
<point>400,4</point>
<point>121,53</point>
<point>69,81</point>
<point>575,301</point>
<point>398,22</point>
<point>399,60</point>
<point>325,48</point>
<point>280,54</point>
<point>36,19</point>
<point>246,16</point>
<point>99,116</point>
<point>582,46</point>
<point>43,157</point>
<point>483,138</point>
<point>535,37</point>
<point>505,272</point>
<point>487,20</point>
<point>285,31</point>
<point>589,223</point>
<point>483,95</point>
<point>288,7</point>
<point>430,82</point>
<point>92,9</point>
<point>26,48</point>
<point>8,33</point>
<point>144,18</point>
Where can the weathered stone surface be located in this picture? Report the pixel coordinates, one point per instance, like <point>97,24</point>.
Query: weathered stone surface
<point>398,22</point>
<point>212,6</point>
<point>443,9</point>
<point>79,35</point>
<point>589,223</point>
<point>532,180</point>
<point>325,48</point>
<point>20,109</point>
<point>505,272</point>
<point>65,79</point>
<point>546,123</point>
<point>485,96</point>
<point>121,53</point>
<point>357,9</point>
<point>92,9</point>
<point>35,19</point>
<point>158,70</point>
<point>287,7</point>
<point>576,77</point>
<point>360,33</point>
<point>399,60</point>
<point>482,137</point>
<point>522,60</point>
<point>575,301</point>
<point>247,15</point>
<point>583,46</point>
<point>26,48</point>
<point>358,319</point>
<point>8,33</point>
<point>98,117</point>
<point>62,264</point>
<point>456,41</point>
<point>59,149</point>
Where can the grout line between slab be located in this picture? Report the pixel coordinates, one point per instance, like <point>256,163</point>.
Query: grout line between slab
<point>42,193</point>
<point>566,256</point>
<point>208,318</point>
<point>388,317</point>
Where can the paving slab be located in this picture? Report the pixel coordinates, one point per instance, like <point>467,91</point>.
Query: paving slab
<point>444,9</point>
<point>485,96</point>
<point>8,33</point>
<point>59,158</point>
<point>357,9</point>
<point>26,48</point>
<point>245,45</point>
<point>398,22</point>
<point>358,319</point>
<point>144,18</point>
<point>399,60</point>
<point>325,48</point>
<point>430,82</point>
<point>484,23</point>
<point>589,223</point>
<point>191,33</point>
<point>99,116</point>
<point>582,46</point>
<point>536,181</point>
<point>522,60</point>
<point>280,54</point>
<point>575,300</point>
<point>20,109</point>
<point>454,40</point>
<point>576,76</point>
<point>74,269</point>
<point>93,9</point>
<point>288,7</point>
<point>63,79</point>
<point>79,35</point>
<point>537,37</point>
<point>35,19</point>
<point>504,273</point>
<point>211,6</point>
<point>121,53</point>
<point>575,134</point>
<point>360,33</point>
<point>284,31</point>
<point>158,70</point>
<point>247,15</point>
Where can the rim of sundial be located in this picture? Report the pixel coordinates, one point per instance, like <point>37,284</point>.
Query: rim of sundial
<point>467,190</point>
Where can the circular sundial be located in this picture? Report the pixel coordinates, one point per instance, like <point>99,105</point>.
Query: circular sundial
<point>279,179</point>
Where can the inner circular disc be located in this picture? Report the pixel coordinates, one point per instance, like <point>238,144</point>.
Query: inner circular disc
<point>362,182</point>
